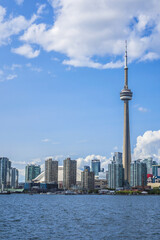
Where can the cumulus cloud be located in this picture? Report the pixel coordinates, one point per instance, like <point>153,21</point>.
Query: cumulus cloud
<point>11,76</point>
<point>85,31</point>
<point>5,76</point>
<point>81,162</point>
<point>15,25</point>
<point>41,8</point>
<point>19,2</point>
<point>148,145</point>
<point>150,56</point>
<point>142,109</point>
<point>27,51</point>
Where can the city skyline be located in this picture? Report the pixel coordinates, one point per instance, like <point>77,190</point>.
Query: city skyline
<point>56,104</point>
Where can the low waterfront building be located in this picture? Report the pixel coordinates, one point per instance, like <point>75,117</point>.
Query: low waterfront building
<point>40,187</point>
<point>102,175</point>
<point>100,184</point>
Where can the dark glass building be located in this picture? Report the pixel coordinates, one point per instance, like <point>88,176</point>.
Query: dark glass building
<point>95,166</point>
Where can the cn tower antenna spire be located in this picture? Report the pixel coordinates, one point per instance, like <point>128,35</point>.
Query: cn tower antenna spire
<point>126,68</point>
<point>126,54</point>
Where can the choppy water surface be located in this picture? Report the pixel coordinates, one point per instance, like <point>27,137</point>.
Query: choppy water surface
<point>79,217</point>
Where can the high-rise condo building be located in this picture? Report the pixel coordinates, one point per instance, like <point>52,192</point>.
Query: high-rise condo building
<point>87,167</point>
<point>149,162</point>
<point>87,180</point>
<point>126,96</point>
<point>95,166</point>
<point>5,168</point>
<point>117,157</point>
<point>138,174</point>
<point>115,175</point>
<point>51,171</point>
<point>14,178</point>
<point>69,173</point>
<point>156,170</point>
<point>31,172</point>
<point>7,174</point>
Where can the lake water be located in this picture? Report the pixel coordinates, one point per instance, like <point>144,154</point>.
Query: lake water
<point>79,217</point>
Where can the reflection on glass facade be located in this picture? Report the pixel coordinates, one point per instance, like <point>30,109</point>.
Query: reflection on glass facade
<point>95,166</point>
<point>31,172</point>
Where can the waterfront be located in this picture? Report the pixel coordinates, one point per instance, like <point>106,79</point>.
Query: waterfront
<point>79,217</point>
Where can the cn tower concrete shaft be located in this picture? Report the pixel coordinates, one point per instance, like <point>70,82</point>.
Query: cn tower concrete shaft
<point>126,96</point>
<point>126,143</point>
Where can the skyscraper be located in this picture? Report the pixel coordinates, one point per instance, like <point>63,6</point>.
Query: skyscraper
<point>69,173</point>
<point>117,157</point>
<point>14,178</point>
<point>87,167</point>
<point>115,175</point>
<point>87,180</point>
<point>8,175</point>
<point>31,172</point>
<point>126,96</point>
<point>51,171</point>
<point>95,166</point>
<point>149,163</point>
<point>5,168</point>
<point>138,174</point>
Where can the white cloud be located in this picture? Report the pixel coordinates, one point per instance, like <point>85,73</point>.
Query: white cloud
<point>115,148</point>
<point>150,56</point>
<point>86,30</point>
<point>27,51</point>
<point>42,167</point>
<point>81,162</point>
<point>19,2</point>
<point>147,145</point>
<point>59,157</point>
<point>142,109</point>
<point>15,25</point>
<point>35,161</point>
<point>41,8</point>
<point>45,140</point>
<point>2,13</point>
<point>11,76</point>
<point>14,66</point>
<point>19,163</point>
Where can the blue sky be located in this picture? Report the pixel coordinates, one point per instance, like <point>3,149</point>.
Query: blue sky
<point>61,73</point>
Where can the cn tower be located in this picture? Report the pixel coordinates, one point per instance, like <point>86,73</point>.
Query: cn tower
<point>126,96</point>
